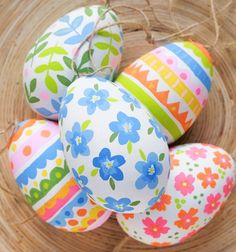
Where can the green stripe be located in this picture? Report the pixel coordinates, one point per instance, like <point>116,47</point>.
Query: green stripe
<point>151,104</point>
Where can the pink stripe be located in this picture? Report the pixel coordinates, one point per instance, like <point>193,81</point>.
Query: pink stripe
<point>60,203</point>
<point>36,142</point>
<point>185,74</point>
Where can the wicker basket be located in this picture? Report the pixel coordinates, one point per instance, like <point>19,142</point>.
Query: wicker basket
<point>22,21</point>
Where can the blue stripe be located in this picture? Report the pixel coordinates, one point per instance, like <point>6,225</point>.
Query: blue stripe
<point>192,64</point>
<point>39,163</point>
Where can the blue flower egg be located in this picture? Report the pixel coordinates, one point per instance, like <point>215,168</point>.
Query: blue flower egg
<point>113,146</point>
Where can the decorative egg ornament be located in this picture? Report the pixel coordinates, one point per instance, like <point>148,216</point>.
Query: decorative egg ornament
<point>173,82</point>
<point>42,174</point>
<point>201,179</point>
<point>57,59</point>
<point>112,142</point>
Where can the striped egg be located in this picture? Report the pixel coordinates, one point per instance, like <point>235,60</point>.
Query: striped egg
<point>173,82</point>
<point>42,174</point>
<point>202,178</point>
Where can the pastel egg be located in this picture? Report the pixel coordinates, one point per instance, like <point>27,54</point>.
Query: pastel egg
<point>110,139</point>
<point>201,179</point>
<point>56,59</point>
<point>173,82</point>
<point>43,176</point>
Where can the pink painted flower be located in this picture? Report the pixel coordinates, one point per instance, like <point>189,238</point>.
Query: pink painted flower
<point>184,183</point>
<point>155,228</point>
<point>212,203</point>
<point>195,153</point>
<point>228,187</point>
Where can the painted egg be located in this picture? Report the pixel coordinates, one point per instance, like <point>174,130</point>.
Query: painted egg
<point>56,60</point>
<point>173,82</point>
<point>43,176</point>
<point>111,140</point>
<point>201,179</point>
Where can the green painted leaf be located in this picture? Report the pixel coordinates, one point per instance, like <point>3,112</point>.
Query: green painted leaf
<point>33,99</point>
<point>113,16</point>
<point>110,99</point>
<point>29,57</point>
<point>41,68</point>
<point>161,157</point>
<point>101,10</point>
<point>40,48</point>
<point>96,87</point>
<point>102,46</point>
<point>94,172</point>
<point>132,106</point>
<point>112,184</point>
<point>178,206</point>
<point>142,155</point>
<point>101,200</point>
<point>44,37</point>
<point>66,82</point>
<point>70,90</point>
<point>67,61</point>
<point>135,203</point>
<point>116,37</point>
<point>105,60</point>
<point>32,85</point>
<point>150,130</point>
<point>104,33</point>
<point>88,11</point>
<point>67,148</point>
<point>80,169</point>
<point>157,191</point>
<point>51,84</point>
<point>129,147</point>
<point>113,137</point>
<point>85,58</point>
<point>53,50</point>
<point>85,70</point>
<point>85,125</point>
<point>56,66</point>
<point>26,92</point>
<point>114,51</point>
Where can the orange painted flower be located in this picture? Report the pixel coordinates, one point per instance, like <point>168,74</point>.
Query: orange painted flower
<point>160,244</point>
<point>187,219</point>
<point>208,178</point>
<point>161,204</point>
<point>128,216</point>
<point>222,160</point>
<point>174,162</point>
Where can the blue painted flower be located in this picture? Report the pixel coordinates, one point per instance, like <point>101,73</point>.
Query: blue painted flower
<point>149,170</point>
<point>121,205</point>
<point>126,127</point>
<point>63,109</point>
<point>78,140</point>
<point>129,98</point>
<point>156,127</point>
<point>109,166</point>
<point>82,181</point>
<point>95,98</point>
<point>152,201</point>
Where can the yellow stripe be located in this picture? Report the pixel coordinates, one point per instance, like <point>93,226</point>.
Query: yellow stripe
<point>173,81</point>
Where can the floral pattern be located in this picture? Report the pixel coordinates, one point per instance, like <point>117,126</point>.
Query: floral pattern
<point>150,171</point>
<point>120,205</point>
<point>95,98</point>
<point>78,140</point>
<point>156,129</point>
<point>184,183</point>
<point>109,166</point>
<point>197,188</point>
<point>126,127</point>
<point>127,97</point>
<point>155,228</point>
<point>65,101</point>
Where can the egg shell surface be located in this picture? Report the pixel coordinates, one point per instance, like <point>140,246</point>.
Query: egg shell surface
<point>43,176</point>
<point>113,141</point>
<point>55,60</point>
<point>201,179</point>
<point>173,81</point>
